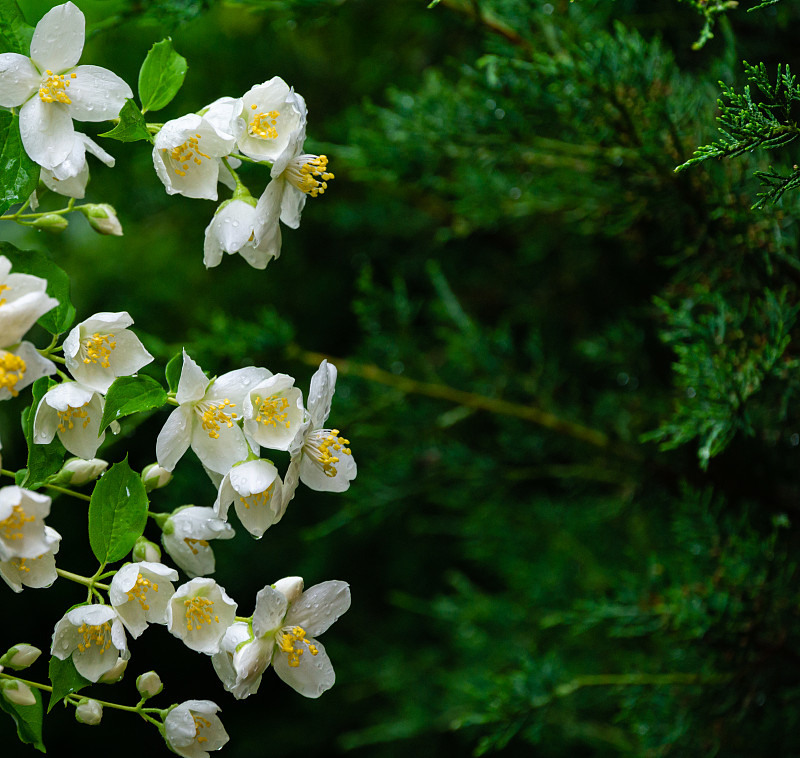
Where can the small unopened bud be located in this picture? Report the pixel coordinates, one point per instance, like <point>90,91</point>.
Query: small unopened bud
<point>155,477</point>
<point>102,217</point>
<point>20,656</point>
<point>149,684</point>
<point>144,550</point>
<point>290,586</point>
<point>89,712</point>
<point>17,692</point>
<point>77,471</point>
<point>51,222</point>
<point>114,674</point>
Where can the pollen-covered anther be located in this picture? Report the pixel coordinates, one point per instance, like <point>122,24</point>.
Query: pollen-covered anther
<point>20,564</point>
<point>326,448</point>
<point>258,498</point>
<point>12,369</point>
<point>11,526</point>
<point>3,288</point>
<point>95,634</point>
<point>211,416</point>
<point>309,173</point>
<point>98,348</point>
<point>199,611</point>
<point>186,152</point>
<point>262,125</point>
<point>54,88</point>
<point>200,723</point>
<point>191,542</point>
<point>270,410</point>
<point>139,591</point>
<point>288,639</point>
<point>66,417</point>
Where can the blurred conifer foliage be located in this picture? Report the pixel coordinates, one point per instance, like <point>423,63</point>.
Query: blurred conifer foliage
<point>570,372</point>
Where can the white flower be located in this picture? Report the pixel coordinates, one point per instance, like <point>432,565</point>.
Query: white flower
<point>206,418</point>
<point>94,636</point>
<point>23,533</point>
<point>89,712</point>
<point>21,365</point>
<point>101,348</point>
<point>285,196</point>
<point>73,412</point>
<point>20,656</point>
<point>35,572</point>
<point>52,90</point>
<point>199,613</point>
<point>255,490</point>
<point>70,177</point>
<point>17,692</point>
<point>22,301</point>
<point>326,462</point>
<point>186,534</point>
<point>283,633</point>
<point>273,412</point>
<point>140,593</point>
<point>149,684</point>
<point>192,728</point>
<point>232,230</point>
<point>270,122</point>
<point>186,153</point>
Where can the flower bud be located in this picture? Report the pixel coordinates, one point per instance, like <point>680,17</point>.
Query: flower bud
<point>114,674</point>
<point>77,471</point>
<point>20,656</point>
<point>155,477</point>
<point>102,217</point>
<point>17,692</point>
<point>51,222</point>
<point>89,712</point>
<point>290,586</point>
<point>144,550</point>
<point>149,684</point>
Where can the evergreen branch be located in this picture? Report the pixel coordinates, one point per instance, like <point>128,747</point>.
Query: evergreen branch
<point>777,184</point>
<point>763,4</point>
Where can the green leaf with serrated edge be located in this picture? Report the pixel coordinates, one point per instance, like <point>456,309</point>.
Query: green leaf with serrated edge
<point>161,76</point>
<point>131,127</point>
<point>60,318</point>
<point>28,719</point>
<point>43,460</point>
<point>65,680</point>
<point>117,513</point>
<point>19,175</point>
<point>173,371</point>
<point>15,31</point>
<point>131,394</point>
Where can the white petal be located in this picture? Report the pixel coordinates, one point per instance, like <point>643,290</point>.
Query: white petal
<point>96,93</point>
<point>58,39</point>
<point>235,384</point>
<point>270,610</point>
<point>46,131</point>
<point>292,206</point>
<point>312,676</point>
<point>193,382</point>
<point>320,394</point>
<point>220,453</point>
<point>19,79</point>
<point>174,438</point>
<point>319,606</point>
<point>96,150</point>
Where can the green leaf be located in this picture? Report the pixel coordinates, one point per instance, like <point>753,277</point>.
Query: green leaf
<point>15,32</point>
<point>43,460</point>
<point>117,513</point>
<point>65,680</point>
<point>131,394</point>
<point>28,719</point>
<point>19,175</point>
<point>173,371</point>
<point>58,320</point>
<point>131,127</point>
<point>161,76</point>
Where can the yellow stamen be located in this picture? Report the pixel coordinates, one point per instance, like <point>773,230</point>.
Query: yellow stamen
<point>309,173</point>
<point>188,151</point>
<point>287,641</point>
<point>54,88</point>
<point>67,416</point>
<point>200,723</point>
<point>139,591</point>
<point>258,498</point>
<point>211,416</point>
<point>324,451</point>
<point>3,288</point>
<point>97,348</point>
<point>95,634</point>
<point>12,526</point>
<point>192,542</point>
<point>263,125</point>
<point>270,410</point>
<point>12,369</point>
<point>199,611</point>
